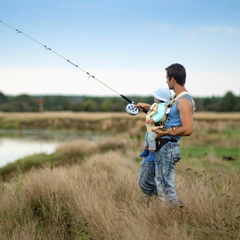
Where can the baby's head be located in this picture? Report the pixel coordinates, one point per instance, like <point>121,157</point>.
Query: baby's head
<point>162,95</point>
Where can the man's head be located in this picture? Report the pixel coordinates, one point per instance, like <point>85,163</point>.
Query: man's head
<point>178,72</point>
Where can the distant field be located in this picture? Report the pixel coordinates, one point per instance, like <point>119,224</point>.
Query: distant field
<point>100,115</point>
<point>87,115</point>
<point>108,121</point>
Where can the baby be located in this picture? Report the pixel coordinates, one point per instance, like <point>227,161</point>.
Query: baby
<point>156,114</point>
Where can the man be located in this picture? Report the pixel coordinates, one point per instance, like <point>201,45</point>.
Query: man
<point>179,123</point>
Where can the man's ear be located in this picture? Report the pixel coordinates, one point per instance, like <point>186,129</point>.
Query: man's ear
<point>173,80</point>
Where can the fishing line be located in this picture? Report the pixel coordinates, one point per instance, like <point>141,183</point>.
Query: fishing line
<point>130,108</point>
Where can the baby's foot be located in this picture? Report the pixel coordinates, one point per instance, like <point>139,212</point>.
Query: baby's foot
<point>144,153</point>
<point>150,157</point>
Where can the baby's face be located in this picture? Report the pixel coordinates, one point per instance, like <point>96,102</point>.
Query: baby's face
<point>156,100</point>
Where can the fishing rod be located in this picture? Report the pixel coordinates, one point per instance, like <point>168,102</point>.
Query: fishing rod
<point>130,108</point>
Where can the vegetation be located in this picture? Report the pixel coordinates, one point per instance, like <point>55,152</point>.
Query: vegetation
<point>107,122</point>
<point>26,103</point>
<point>89,190</point>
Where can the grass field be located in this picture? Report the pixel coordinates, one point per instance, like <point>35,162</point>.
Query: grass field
<point>100,115</point>
<point>89,190</point>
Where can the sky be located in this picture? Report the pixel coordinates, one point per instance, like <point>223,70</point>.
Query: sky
<point>125,44</point>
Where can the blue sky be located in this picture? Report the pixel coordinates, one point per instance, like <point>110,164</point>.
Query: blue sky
<point>124,43</point>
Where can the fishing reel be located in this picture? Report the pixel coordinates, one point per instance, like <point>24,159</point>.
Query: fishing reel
<point>131,109</point>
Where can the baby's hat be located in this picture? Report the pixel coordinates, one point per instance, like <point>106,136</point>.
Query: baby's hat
<point>163,94</point>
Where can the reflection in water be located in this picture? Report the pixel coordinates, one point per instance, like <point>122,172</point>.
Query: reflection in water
<point>17,144</point>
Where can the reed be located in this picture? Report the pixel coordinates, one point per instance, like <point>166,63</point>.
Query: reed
<point>90,191</point>
<point>100,199</point>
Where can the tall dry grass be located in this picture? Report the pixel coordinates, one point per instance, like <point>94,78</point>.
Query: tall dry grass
<point>100,199</point>
<point>97,196</point>
<point>215,133</point>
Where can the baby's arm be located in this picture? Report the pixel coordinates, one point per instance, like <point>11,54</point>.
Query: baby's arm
<point>159,115</point>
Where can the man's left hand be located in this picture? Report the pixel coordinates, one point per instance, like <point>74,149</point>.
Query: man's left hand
<point>159,132</point>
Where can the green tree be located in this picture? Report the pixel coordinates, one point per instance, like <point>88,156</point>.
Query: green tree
<point>90,106</point>
<point>211,104</point>
<point>21,103</point>
<point>57,103</point>
<point>77,106</point>
<point>229,103</point>
<point>106,105</point>
<point>3,98</point>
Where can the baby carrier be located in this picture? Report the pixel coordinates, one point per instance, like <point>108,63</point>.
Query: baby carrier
<point>160,125</point>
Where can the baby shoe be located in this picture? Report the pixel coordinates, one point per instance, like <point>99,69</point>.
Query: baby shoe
<point>150,157</point>
<point>144,153</point>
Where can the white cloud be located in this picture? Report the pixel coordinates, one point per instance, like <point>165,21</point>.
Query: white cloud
<point>66,81</point>
<point>213,83</point>
<point>126,82</point>
<point>220,29</point>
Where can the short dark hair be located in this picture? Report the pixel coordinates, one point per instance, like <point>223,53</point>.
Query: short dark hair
<point>178,72</point>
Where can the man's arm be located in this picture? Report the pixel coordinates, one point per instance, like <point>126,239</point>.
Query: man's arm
<point>185,110</point>
<point>140,106</point>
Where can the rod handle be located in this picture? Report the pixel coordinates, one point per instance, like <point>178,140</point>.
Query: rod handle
<point>127,99</point>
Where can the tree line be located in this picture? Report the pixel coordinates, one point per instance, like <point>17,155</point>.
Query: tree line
<point>28,103</point>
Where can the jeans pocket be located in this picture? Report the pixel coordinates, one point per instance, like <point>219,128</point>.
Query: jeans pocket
<point>176,158</point>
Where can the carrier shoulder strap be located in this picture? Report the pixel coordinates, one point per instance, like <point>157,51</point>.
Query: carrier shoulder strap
<point>179,96</point>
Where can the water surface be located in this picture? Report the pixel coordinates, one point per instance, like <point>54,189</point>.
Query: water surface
<point>16,144</point>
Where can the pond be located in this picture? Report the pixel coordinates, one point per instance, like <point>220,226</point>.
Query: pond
<point>15,144</point>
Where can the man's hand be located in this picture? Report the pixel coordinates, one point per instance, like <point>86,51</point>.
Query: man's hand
<point>159,132</point>
<point>141,106</point>
<point>149,121</point>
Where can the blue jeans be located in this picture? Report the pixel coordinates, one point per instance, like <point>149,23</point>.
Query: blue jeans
<point>146,177</point>
<point>158,177</point>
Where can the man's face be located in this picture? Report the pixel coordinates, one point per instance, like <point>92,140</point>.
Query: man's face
<point>169,82</point>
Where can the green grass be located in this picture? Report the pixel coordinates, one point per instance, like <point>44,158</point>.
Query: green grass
<point>212,158</point>
<point>231,132</point>
<point>26,163</point>
<point>199,152</point>
<point>227,152</point>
